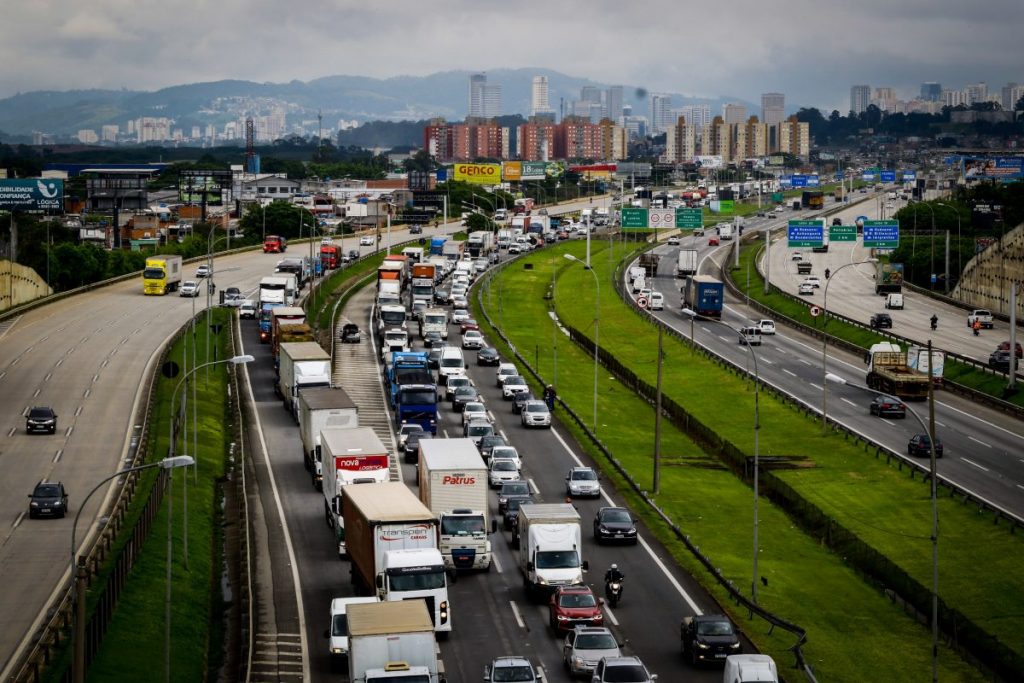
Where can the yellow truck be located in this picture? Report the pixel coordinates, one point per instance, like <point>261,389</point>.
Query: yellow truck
<point>162,275</point>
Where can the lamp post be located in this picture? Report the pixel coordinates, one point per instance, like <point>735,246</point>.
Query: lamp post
<point>931,239</point>
<point>757,444</point>
<point>824,338</point>
<point>959,256</point>
<point>597,326</point>
<point>79,571</point>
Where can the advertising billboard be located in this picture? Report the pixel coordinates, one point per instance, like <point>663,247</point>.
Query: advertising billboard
<point>594,171</point>
<point>32,195</point>
<point>512,170</point>
<point>709,161</point>
<point>890,274</point>
<point>1005,169</point>
<point>478,174</point>
<point>533,170</point>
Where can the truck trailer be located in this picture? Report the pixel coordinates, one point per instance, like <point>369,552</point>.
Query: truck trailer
<point>161,275</point>
<point>302,365</point>
<point>349,455</point>
<point>391,642</point>
<point>704,295</point>
<point>687,263</point>
<point>318,409</point>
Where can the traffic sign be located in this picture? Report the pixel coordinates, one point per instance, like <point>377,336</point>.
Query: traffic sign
<point>815,311</point>
<point>882,234</point>
<point>661,218</point>
<point>642,302</point>
<point>634,218</point>
<point>806,233</point>
<point>842,233</point>
<point>888,176</point>
<point>688,219</point>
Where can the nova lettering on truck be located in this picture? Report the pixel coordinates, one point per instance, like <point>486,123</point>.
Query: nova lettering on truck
<point>370,462</point>
<point>457,480</point>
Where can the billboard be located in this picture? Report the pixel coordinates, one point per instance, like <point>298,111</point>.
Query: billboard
<point>533,170</point>
<point>511,170</point>
<point>594,171</point>
<point>709,161</point>
<point>1005,169</point>
<point>890,274</point>
<point>478,174</point>
<point>32,195</point>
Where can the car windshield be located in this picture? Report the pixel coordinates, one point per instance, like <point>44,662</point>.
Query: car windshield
<point>451,362</point>
<point>557,559</point>
<point>475,407</point>
<point>418,397</point>
<point>515,380</point>
<point>584,475</point>
<point>597,641</point>
<point>577,600</point>
<point>464,391</point>
<point>517,488</point>
<point>462,526</point>
<point>536,408</point>
<point>48,491</point>
<point>714,628</point>
<point>339,626</point>
<point>480,429</point>
<point>39,412</point>
<point>429,580</point>
<point>504,452</point>
<point>512,674</point>
<point>504,466</point>
<point>436,319</point>
<point>616,516</point>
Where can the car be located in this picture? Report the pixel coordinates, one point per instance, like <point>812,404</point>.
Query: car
<point>1005,346</point>
<point>772,214</point>
<point>760,214</point>
<point>454,383</point>
<point>796,256</point>
<point>887,406</point>
<point>350,334</point>
<point>813,280</point>
<point>459,301</point>
<point>520,399</point>
<point>713,241</point>
<point>489,443</point>
<point>673,240</point>
<point>500,470</point>
<point>469,324</point>
<point>415,229</point>
<point>232,297</point>
<point>434,355</point>
<point>505,370</point>
<point>623,669</point>
<point>406,430</point>
<point>477,430</point>
<point>562,235</point>
<point>366,241</point>
<point>510,517</point>
<point>474,410</point>
<point>442,296</point>
<point>203,271</point>
<point>353,254</point>
<point>750,335</point>
<point>508,452</point>
<point>920,446</point>
<point>512,386</point>
<point>708,638</point>
<point>487,355</point>
<point>462,396</point>
<point>515,248</point>
<point>614,524</point>
<point>512,668</point>
<point>247,310</point>
<point>572,606</point>
<point>48,498</point>
<point>189,288</point>
<point>481,264</point>
<point>582,481</point>
<point>411,449</point>
<point>880,320</point>
<point>432,339</point>
<point>472,339</point>
<point>417,308</point>
<point>535,414</point>
<point>999,360</point>
<point>698,232</point>
<point>512,489</point>
<point>41,419</point>
<point>460,315</point>
<point>766,327</point>
<point>584,647</point>
<point>805,289</point>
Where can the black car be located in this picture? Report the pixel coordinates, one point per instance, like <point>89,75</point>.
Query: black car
<point>48,499</point>
<point>709,638</point>
<point>41,419</point>
<point>512,489</point>
<point>999,360</point>
<point>441,296</point>
<point>919,446</point>
<point>434,356</point>
<point>880,320</point>
<point>464,395</point>
<point>488,443</point>
<point>614,524</point>
<point>511,513</point>
<point>353,254</point>
<point>488,355</point>
<point>887,406</point>
<point>412,445</point>
<point>520,399</point>
<point>432,338</point>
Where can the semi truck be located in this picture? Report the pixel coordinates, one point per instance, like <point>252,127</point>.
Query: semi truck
<point>480,243</point>
<point>330,256</point>
<point>889,372</point>
<point>889,278</point>
<point>423,277</point>
<point>437,245</point>
<point>389,292</point>
<point>302,365</point>
<point>649,262</point>
<point>434,320</point>
<point>318,409</point>
<point>704,295</point>
<point>453,483</point>
<point>812,199</point>
<point>391,539</point>
<point>349,456</point>
<point>283,315</point>
<point>161,275</point>
<point>411,389</point>
<point>296,267</point>
<point>273,290</point>
<point>687,263</point>
<point>392,642</point>
<point>548,541</point>
<point>453,250</point>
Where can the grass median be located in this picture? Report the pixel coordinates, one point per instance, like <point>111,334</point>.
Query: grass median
<point>845,617</point>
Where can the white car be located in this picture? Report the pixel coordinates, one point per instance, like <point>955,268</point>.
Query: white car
<point>805,289</point>
<point>453,382</point>
<point>582,481</point>
<point>474,410</point>
<point>513,385</point>
<point>766,326</point>
<point>673,240</point>
<point>501,470</point>
<point>508,452</point>
<point>473,339</point>
<point>460,315</point>
<point>477,430</point>
<point>515,248</point>
<point>407,429</point>
<point>366,241</point>
<point>189,288</point>
<point>796,256</point>
<point>535,414</point>
<point>813,281</point>
<point>203,271</point>
<point>656,302</point>
<point>505,370</point>
<point>247,309</point>
<point>460,302</point>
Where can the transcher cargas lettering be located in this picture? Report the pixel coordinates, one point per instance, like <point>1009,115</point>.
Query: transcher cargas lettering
<point>458,480</point>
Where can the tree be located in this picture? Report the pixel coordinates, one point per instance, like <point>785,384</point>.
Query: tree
<point>1019,106</point>
<point>420,161</point>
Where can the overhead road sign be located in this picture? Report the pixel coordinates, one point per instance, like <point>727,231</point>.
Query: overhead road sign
<point>882,234</point>
<point>842,233</point>
<point>689,219</point>
<point>806,233</point>
<point>888,176</point>
<point>634,218</point>
<point>661,218</point>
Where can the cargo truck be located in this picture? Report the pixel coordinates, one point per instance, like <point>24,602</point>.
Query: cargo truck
<point>391,642</point>
<point>453,250</point>
<point>453,483</point>
<point>274,244</point>
<point>161,275</point>
<point>283,315</point>
<point>889,372</point>
<point>889,278</point>
<point>918,360</point>
<point>434,320</point>
<point>273,290</point>
<point>704,295</point>
<point>320,408</point>
<point>411,389</point>
<point>423,277</point>
<point>400,262</point>
<point>391,539</point>
<point>294,266</point>
<point>437,245</point>
<point>302,365</point>
<point>687,263</point>
<point>414,254</point>
<point>349,456</point>
<point>548,541</point>
<point>330,256</point>
<point>649,262</point>
<point>389,292</point>
<point>480,243</point>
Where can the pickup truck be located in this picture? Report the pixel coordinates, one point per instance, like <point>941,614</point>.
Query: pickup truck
<point>984,317</point>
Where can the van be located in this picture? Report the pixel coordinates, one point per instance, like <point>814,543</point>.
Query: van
<point>750,669</point>
<point>894,300</point>
<point>451,362</point>
<point>750,335</point>
<point>639,283</point>
<point>803,267</point>
<point>657,301</point>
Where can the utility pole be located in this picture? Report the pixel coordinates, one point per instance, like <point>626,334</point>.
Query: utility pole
<point>657,419</point>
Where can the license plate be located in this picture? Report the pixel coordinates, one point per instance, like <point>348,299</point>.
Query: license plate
<point>720,655</point>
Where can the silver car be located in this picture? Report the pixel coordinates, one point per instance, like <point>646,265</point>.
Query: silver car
<point>477,430</point>
<point>584,647</point>
<point>474,410</point>
<point>512,386</point>
<point>501,470</point>
<point>582,481</point>
<point>536,414</point>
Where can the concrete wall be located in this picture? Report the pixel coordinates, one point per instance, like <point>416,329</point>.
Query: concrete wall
<point>20,285</point>
<point>987,277</point>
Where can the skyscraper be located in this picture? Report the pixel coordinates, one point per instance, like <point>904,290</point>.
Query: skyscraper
<point>860,98</point>
<point>661,113</point>
<point>477,83</point>
<point>773,107</point>
<point>613,102</point>
<point>976,92</point>
<point>931,91</point>
<point>539,103</point>
<point>734,113</point>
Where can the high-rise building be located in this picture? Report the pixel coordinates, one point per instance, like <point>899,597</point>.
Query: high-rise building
<point>539,103</point>
<point>613,103</point>
<point>734,113</point>
<point>680,142</point>
<point>484,99</point>
<point>860,98</point>
<point>697,115</point>
<point>1010,95</point>
<point>661,113</point>
<point>589,93</point>
<point>975,92</point>
<point>792,137</point>
<point>109,133</point>
<point>952,98</point>
<point>773,107</point>
<point>87,136</point>
<point>536,139</point>
<point>884,99</point>
<point>931,91</point>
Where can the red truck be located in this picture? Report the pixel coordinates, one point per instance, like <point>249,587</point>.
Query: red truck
<point>330,256</point>
<point>274,244</point>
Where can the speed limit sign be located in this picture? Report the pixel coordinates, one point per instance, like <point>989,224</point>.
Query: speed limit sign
<point>815,311</point>
<point>642,302</point>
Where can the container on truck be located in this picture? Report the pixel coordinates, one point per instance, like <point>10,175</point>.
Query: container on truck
<point>404,267</point>
<point>453,483</point>
<point>704,295</point>
<point>320,408</point>
<point>392,642</point>
<point>687,263</point>
<point>538,224</point>
<point>454,250</point>
<point>918,360</point>
<point>504,239</point>
<point>283,315</point>
<point>391,271</point>
<point>161,275</point>
<point>889,278</point>
<point>389,292</point>
<point>889,372</point>
<point>391,539</point>
<point>348,456</point>
<point>437,245</point>
<point>726,231</point>
<point>424,275</point>
<point>549,545</point>
<point>302,365</point>
<point>414,254</point>
<point>278,289</point>
<point>649,262</point>
<point>480,243</point>
<point>294,266</point>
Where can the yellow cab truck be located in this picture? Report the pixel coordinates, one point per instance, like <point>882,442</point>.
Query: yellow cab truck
<point>162,274</point>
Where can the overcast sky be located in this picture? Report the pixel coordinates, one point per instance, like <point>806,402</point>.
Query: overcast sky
<point>811,51</point>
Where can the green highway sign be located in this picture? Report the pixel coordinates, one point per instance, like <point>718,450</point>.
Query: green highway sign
<point>688,219</point>
<point>634,218</point>
<point>842,233</point>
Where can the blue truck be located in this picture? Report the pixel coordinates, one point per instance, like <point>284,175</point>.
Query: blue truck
<point>437,245</point>
<point>266,321</point>
<point>704,295</point>
<point>412,390</point>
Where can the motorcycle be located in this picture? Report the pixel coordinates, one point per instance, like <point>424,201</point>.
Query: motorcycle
<point>935,323</point>
<point>613,592</point>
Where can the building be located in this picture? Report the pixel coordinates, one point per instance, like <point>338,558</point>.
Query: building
<point>734,113</point>
<point>613,103</point>
<point>755,140</point>
<point>1010,95</point>
<point>661,113</point>
<point>535,140</point>
<point>484,99</point>
<point>87,136</point>
<point>931,91</point>
<point>975,92</point>
<point>698,115</point>
<point>109,133</point>
<point>860,98</point>
<point>953,98</point>
<point>472,139</point>
<point>636,126</point>
<point>681,142</point>
<point>773,107</point>
<point>791,137</point>
<point>539,103</point>
<point>885,99</point>
<point>579,138</point>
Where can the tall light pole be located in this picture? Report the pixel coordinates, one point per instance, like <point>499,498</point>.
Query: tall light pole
<point>959,256</point>
<point>824,338</point>
<point>757,444</point>
<point>597,326</point>
<point>81,574</point>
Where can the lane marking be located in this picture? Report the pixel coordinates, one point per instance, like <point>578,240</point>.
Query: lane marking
<point>891,424</point>
<point>789,372</point>
<point>78,411</point>
<point>533,487</point>
<point>69,430</point>
<point>503,435</point>
<point>86,394</point>
<point>48,376</point>
<point>939,424</point>
<point>971,462</point>
<point>58,363</point>
<point>979,441</point>
<point>494,561</point>
<point>817,386</point>
<point>36,393</point>
<point>846,400</point>
<point>11,433</point>
<point>515,612</point>
<point>56,457</point>
<point>805,361</point>
<point>17,521</point>
<point>766,361</point>
<point>611,615</point>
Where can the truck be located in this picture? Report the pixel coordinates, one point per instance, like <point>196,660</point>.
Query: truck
<point>391,271</point>
<point>889,278</point>
<point>687,263</point>
<point>437,245</point>
<point>389,292</point>
<point>523,205</point>
<point>504,239</point>
<point>704,295</point>
<point>390,315</point>
<point>274,290</point>
<point>414,254</point>
<point>726,231</point>
<point>391,642</point>
<point>453,250</point>
<point>453,483</point>
<point>391,540</point>
<point>434,320</point>
<point>266,320</point>
<point>480,243</point>
<point>918,360</point>
<point>302,365</point>
<point>283,315</point>
<point>411,389</point>
<point>538,224</point>
<point>274,244</point>
<point>349,456</point>
<point>889,372</point>
<point>548,541</point>
<point>161,275</point>
<point>403,266</point>
<point>649,262</point>
<point>320,408</point>
<point>330,256</point>
<point>296,267</point>
<point>812,199</point>
<point>424,275</point>
<point>983,316</point>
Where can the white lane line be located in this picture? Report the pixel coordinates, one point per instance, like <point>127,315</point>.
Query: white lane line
<point>78,411</point>
<point>979,442</point>
<point>491,415</point>
<point>816,386</point>
<point>95,378</point>
<point>846,400</point>
<point>48,376</point>
<point>86,394</point>
<point>17,521</point>
<point>494,561</point>
<point>445,432</point>
<point>940,424</point>
<point>723,338</point>
<point>888,422</point>
<point>3,374</point>
<point>11,433</point>
<point>515,612</point>
<point>36,393</point>
<point>68,432</point>
<point>533,487</point>
<point>766,361</point>
<point>780,350</point>
<point>805,361</point>
<point>543,672</point>
<point>789,372</point>
<point>56,456</point>
<point>503,435</point>
<point>971,462</point>
<point>611,615</point>
<point>1020,486</point>
<point>58,363</point>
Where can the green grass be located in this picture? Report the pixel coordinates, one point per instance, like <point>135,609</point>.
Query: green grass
<point>342,279</point>
<point>843,615</point>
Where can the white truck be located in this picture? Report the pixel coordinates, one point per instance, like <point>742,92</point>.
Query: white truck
<point>504,239</point>
<point>918,360</point>
<point>548,540</point>
<point>480,243</point>
<point>434,320</point>
<point>453,483</point>
<point>318,409</point>
<point>303,365</point>
<point>273,290</point>
<point>389,292</point>
<point>687,264</point>
<point>726,231</point>
<point>391,315</point>
<point>414,254</point>
<point>392,642</point>
<point>391,539</point>
<point>350,455</point>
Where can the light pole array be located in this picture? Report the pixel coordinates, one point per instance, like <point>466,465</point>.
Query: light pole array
<point>959,254</point>
<point>597,326</point>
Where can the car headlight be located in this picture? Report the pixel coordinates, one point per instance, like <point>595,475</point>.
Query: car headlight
<point>337,650</point>
<point>57,504</point>
<point>703,646</point>
<point>577,661</point>
<point>34,504</point>
<point>562,617</point>
<point>735,646</point>
<point>541,581</point>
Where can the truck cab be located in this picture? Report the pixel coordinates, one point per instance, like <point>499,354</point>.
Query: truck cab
<point>417,573</point>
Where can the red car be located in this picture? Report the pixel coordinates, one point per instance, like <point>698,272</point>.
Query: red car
<point>468,324</point>
<point>713,241</point>
<point>573,606</point>
<point>1005,346</point>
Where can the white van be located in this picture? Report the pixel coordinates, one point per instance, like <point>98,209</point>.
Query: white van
<point>452,362</point>
<point>750,669</point>
<point>657,301</point>
<point>639,283</point>
<point>894,300</point>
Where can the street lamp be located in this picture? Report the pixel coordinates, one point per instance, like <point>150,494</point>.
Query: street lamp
<point>80,572</point>
<point>824,337</point>
<point>757,444</point>
<point>959,256</point>
<point>597,326</point>
<point>929,429</point>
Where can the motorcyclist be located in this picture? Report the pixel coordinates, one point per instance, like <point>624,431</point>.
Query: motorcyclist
<point>827,273</point>
<point>613,574</point>
<point>935,322</point>
<point>976,327</point>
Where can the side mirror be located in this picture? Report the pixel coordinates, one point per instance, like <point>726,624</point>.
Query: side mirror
<point>487,673</point>
<point>380,581</point>
<point>654,677</point>
<point>529,564</point>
